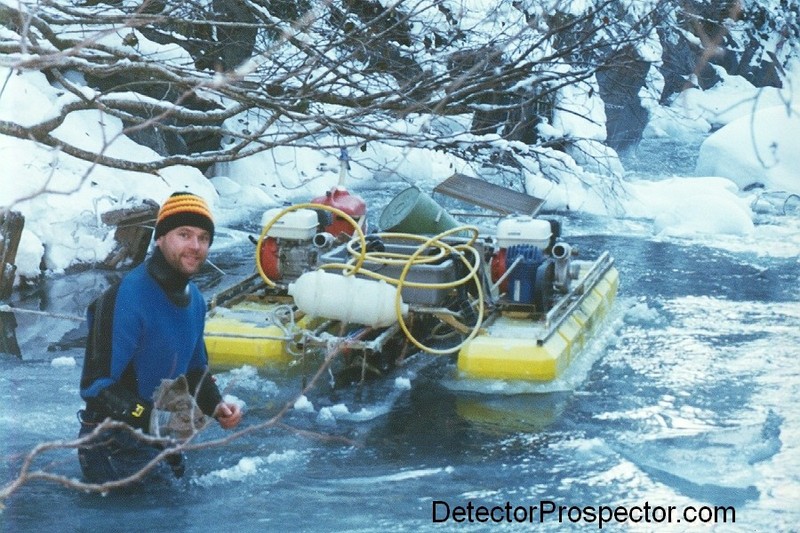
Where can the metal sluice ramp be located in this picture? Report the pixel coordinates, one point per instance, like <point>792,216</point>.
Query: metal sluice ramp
<point>490,196</point>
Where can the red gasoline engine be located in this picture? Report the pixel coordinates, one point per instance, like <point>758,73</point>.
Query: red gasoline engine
<point>292,244</point>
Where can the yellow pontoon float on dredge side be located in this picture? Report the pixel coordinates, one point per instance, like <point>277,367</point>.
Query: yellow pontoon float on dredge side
<point>514,305</point>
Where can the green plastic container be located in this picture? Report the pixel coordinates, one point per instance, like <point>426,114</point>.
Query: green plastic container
<point>413,211</point>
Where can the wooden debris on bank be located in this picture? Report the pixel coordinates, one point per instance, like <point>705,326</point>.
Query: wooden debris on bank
<point>11,224</point>
<point>8,334</point>
<point>135,227</point>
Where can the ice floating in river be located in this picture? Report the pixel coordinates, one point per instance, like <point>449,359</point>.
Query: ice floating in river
<point>248,467</point>
<point>402,383</point>
<point>714,466</point>
<point>230,398</point>
<point>303,404</point>
<point>328,415</point>
<point>246,378</point>
<point>398,476</point>
<point>325,417</point>
<point>63,361</point>
<point>643,314</point>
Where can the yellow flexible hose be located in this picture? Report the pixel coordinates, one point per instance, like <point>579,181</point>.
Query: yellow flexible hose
<point>408,261</point>
<point>397,259</point>
<point>472,275</point>
<point>400,259</point>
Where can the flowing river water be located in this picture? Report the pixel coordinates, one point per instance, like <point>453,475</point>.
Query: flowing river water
<point>683,414</point>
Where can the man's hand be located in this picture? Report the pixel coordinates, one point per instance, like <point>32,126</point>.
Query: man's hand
<point>228,415</point>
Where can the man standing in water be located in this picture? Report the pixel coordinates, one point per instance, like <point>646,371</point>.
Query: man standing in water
<point>145,329</point>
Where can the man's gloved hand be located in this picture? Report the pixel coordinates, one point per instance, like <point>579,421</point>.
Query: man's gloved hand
<point>175,412</point>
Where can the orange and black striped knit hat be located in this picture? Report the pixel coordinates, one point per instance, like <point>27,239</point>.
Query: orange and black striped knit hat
<point>184,209</point>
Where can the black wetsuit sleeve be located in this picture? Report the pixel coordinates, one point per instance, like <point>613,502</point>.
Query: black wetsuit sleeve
<point>205,390</point>
<point>119,403</point>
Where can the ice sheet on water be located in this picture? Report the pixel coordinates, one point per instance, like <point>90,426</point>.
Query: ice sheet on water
<point>64,361</point>
<point>246,378</point>
<point>329,415</point>
<point>402,383</point>
<point>714,466</point>
<point>351,407</point>
<point>303,404</point>
<point>269,469</point>
<point>771,235</point>
<point>643,314</point>
<point>394,477</point>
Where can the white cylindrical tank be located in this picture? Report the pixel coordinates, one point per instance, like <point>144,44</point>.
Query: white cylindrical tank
<point>346,298</point>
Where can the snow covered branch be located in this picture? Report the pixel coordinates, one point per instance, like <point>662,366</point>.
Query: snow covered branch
<point>186,75</point>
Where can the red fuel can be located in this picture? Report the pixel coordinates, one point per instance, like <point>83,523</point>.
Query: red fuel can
<point>353,205</point>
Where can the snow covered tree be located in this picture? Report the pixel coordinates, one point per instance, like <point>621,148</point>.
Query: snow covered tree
<point>208,82</point>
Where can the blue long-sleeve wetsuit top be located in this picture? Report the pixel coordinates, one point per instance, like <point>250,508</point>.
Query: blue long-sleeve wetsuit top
<point>148,328</point>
